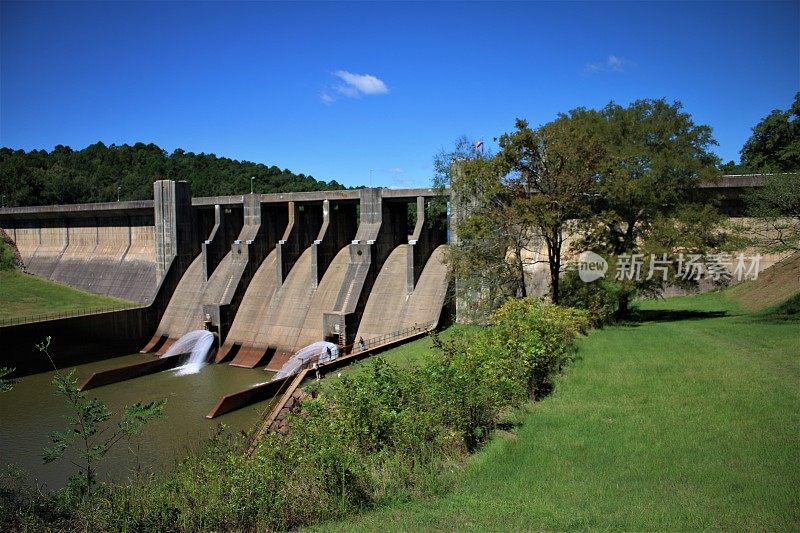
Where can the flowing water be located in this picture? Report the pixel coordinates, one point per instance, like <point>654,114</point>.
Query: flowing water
<point>317,352</point>
<point>31,410</point>
<point>196,344</point>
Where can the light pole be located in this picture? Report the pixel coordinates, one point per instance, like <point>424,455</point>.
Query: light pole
<point>370,178</point>
<point>118,191</point>
<point>252,180</point>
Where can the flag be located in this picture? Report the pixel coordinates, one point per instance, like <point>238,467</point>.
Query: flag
<point>477,144</point>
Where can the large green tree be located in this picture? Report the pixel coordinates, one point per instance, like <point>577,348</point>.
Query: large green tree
<point>775,209</point>
<point>524,198</point>
<point>775,143</point>
<point>548,179</point>
<point>619,181</point>
<point>645,201</point>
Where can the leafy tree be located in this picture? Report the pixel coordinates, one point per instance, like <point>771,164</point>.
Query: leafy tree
<point>732,168</point>
<point>526,196</point>
<point>775,143</point>
<point>87,429</point>
<point>655,156</point>
<point>776,209</point>
<point>485,230</point>
<point>548,179</point>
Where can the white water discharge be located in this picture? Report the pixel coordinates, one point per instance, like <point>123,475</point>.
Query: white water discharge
<point>319,352</point>
<point>196,344</point>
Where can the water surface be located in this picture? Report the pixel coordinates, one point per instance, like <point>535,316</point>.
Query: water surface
<point>31,410</point>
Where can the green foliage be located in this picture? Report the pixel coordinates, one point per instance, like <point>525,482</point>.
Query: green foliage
<point>522,199</point>
<point>389,433</point>
<point>600,298</point>
<point>774,145</point>
<point>482,373</point>
<point>621,179</point>
<point>87,429</point>
<point>98,172</point>
<point>642,200</point>
<point>656,156</point>
<point>7,260</point>
<point>6,384</point>
<point>549,174</point>
<point>776,210</point>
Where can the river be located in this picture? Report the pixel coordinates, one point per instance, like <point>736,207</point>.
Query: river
<point>31,410</point>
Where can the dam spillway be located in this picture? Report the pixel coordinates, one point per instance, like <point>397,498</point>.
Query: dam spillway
<point>268,274</point>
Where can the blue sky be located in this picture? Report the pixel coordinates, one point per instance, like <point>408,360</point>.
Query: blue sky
<point>334,90</point>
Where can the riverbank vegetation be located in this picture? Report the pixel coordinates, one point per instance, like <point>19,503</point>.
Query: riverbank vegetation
<point>385,435</point>
<point>687,419</point>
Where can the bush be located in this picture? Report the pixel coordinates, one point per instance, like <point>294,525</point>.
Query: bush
<point>7,259</point>
<point>599,298</point>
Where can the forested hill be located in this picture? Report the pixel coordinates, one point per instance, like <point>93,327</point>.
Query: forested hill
<point>66,176</point>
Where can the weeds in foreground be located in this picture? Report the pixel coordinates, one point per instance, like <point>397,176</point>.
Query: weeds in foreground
<point>87,429</point>
<point>388,434</point>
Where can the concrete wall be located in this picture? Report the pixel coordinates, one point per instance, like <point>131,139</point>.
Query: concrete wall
<point>86,338</point>
<point>383,226</point>
<point>274,311</point>
<point>111,254</point>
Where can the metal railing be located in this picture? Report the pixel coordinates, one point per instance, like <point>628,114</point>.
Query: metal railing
<point>65,314</point>
<point>374,342</point>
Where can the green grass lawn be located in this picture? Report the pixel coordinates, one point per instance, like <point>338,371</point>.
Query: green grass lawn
<point>26,295</point>
<point>688,420</point>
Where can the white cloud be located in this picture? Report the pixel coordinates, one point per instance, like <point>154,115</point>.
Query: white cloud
<point>353,86</point>
<point>396,170</point>
<point>358,84</point>
<point>612,64</point>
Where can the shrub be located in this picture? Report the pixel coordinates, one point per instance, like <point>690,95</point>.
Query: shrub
<point>7,259</point>
<point>600,298</point>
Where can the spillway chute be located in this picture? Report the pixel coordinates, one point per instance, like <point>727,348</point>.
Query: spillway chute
<point>318,352</point>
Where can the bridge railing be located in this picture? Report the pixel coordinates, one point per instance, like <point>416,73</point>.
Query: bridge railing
<point>41,317</point>
<point>374,342</point>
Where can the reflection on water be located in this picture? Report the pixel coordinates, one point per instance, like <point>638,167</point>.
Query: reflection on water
<point>31,410</point>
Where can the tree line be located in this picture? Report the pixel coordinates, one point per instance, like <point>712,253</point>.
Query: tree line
<point>100,173</point>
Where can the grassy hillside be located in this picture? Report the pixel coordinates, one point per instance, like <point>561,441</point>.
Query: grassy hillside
<point>687,420</point>
<point>774,286</point>
<point>26,295</point>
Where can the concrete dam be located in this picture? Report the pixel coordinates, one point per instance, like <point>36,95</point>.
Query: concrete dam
<point>267,273</point>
